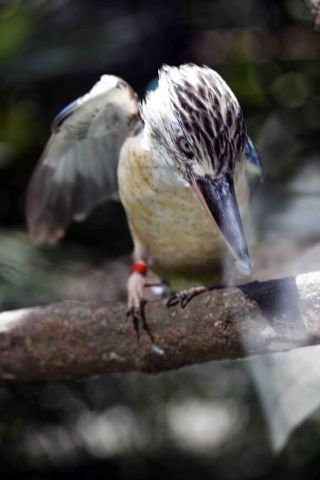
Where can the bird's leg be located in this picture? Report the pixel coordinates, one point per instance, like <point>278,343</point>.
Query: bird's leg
<point>185,296</point>
<point>137,282</point>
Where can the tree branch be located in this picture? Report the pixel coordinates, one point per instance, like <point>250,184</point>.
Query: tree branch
<point>72,339</point>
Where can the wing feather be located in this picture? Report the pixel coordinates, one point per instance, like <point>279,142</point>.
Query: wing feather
<point>78,168</point>
<point>254,164</point>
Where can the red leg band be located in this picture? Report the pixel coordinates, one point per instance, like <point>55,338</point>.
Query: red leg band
<point>139,267</point>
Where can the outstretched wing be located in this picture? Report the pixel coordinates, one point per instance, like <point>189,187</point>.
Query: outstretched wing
<point>78,168</point>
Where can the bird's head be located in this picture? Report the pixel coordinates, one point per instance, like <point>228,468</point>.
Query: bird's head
<point>194,121</point>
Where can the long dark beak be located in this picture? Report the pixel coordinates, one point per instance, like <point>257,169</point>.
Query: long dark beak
<point>219,198</point>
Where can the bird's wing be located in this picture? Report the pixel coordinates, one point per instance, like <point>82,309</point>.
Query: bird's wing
<point>254,164</point>
<point>78,168</point>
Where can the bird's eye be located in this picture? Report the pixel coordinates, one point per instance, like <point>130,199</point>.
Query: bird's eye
<point>185,146</point>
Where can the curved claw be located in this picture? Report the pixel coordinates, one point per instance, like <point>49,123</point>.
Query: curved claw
<point>136,304</point>
<point>173,300</point>
<point>138,317</point>
<point>184,297</point>
<point>135,317</point>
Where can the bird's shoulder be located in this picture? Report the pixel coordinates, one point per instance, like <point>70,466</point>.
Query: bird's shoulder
<point>135,162</point>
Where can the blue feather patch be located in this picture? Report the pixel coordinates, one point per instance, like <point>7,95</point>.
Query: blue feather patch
<point>153,84</point>
<point>63,114</point>
<point>252,155</point>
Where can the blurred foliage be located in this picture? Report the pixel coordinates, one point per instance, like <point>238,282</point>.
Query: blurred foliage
<point>15,27</point>
<point>291,89</point>
<point>202,421</point>
<point>19,124</point>
<point>243,78</point>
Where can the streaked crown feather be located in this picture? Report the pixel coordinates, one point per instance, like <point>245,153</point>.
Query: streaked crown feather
<point>195,119</point>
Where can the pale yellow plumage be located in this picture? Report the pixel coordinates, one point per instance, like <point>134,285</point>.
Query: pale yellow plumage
<point>170,227</point>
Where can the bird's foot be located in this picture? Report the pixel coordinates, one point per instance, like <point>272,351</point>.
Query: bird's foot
<point>138,317</point>
<point>185,296</point>
<point>136,303</point>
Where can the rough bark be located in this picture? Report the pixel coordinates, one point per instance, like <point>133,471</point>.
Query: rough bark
<point>72,339</point>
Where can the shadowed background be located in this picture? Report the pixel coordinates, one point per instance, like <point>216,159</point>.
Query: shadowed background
<point>204,420</point>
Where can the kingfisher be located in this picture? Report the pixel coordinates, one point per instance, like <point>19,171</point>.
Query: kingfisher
<point>179,161</point>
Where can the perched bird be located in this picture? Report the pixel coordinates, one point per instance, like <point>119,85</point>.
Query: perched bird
<point>179,161</point>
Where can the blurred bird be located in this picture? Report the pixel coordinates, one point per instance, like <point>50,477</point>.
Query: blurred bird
<point>180,162</point>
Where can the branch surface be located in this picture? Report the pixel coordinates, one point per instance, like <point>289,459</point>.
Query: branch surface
<point>72,339</point>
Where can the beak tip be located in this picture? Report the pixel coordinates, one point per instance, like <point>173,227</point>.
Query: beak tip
<point>244,266</point>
